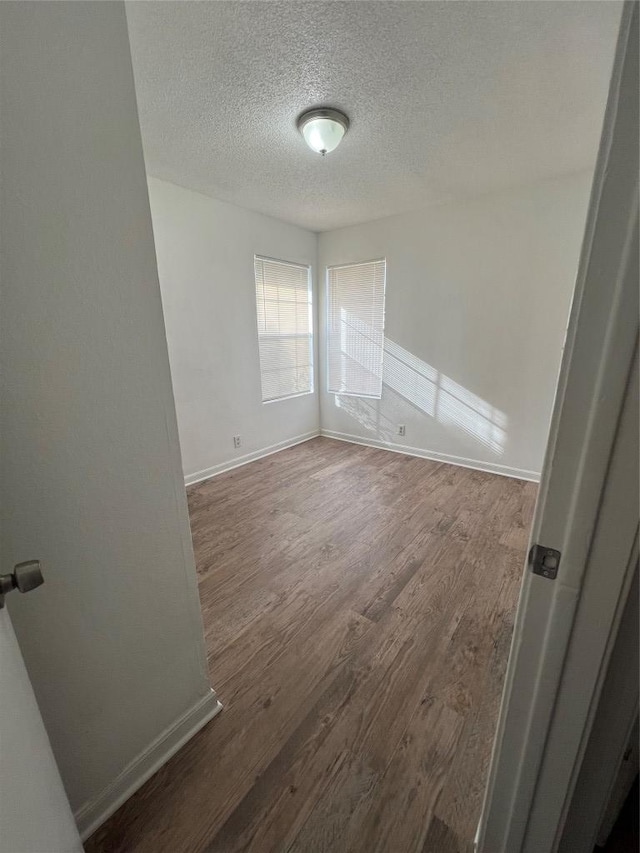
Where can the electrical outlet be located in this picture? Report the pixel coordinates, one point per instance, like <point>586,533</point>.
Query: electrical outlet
<point>236,441</point>
<point>402,430</point>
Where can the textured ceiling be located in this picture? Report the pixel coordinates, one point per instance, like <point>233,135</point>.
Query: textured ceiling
<point>446,99</point>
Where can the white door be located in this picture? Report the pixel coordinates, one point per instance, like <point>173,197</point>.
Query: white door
<point>89,457</point>
<point>566,624</point>
<point>35,816</point>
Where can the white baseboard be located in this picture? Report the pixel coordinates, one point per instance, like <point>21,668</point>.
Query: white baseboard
<point>198,476</point>
<point>94,813</point>
<point>489,467</point>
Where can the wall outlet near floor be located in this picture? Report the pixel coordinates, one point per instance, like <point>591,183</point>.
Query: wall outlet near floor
<point>402,430</point>
<point>236,441</point>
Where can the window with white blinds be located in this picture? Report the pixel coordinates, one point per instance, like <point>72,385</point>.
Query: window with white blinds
<point>355,328</point>
<point>285,328</point>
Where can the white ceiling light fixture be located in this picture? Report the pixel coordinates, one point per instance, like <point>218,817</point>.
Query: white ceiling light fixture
<point>323,129</point>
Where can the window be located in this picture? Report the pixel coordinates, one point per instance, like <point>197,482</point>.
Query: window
<point>355,328</point>
<point>285,330</point>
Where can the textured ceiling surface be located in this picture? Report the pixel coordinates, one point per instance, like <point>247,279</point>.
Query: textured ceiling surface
<point>446,99</point>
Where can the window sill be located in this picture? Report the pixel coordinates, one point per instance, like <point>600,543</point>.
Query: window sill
<point>288,397</point>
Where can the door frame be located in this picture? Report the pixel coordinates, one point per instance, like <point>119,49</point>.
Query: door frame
<point>531,780</point>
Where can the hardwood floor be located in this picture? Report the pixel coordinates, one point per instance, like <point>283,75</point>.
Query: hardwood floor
<point>358,608</point>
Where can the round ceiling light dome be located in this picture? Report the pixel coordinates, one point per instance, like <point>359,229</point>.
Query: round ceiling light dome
<point>323,129</point>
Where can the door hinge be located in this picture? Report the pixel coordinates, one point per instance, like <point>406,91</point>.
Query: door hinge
<point>544,561</point>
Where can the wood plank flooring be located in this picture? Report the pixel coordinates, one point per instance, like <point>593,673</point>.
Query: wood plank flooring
<point>358,608</point>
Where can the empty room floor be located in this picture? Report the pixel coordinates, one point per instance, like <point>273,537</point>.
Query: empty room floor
<point>358,607</point>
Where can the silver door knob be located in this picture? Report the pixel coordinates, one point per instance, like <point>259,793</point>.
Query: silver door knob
<point>25,577</point>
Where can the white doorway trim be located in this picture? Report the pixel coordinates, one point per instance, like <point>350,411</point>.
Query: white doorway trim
<point>530,780</point>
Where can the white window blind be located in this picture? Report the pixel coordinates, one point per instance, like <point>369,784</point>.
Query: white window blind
<point>285,330</point>
<point>355,328</point>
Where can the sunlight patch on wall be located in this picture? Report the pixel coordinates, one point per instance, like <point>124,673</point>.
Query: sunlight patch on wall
<point>434,394</point>
<point>367,412</point>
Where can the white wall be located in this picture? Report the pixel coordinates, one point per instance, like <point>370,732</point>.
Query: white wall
<point>205,252</point>
<point>477,302</point>
<point>91,472</point>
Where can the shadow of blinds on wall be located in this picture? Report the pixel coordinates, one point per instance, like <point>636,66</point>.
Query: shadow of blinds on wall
<point>285,330</point>
<point>355,328</point>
